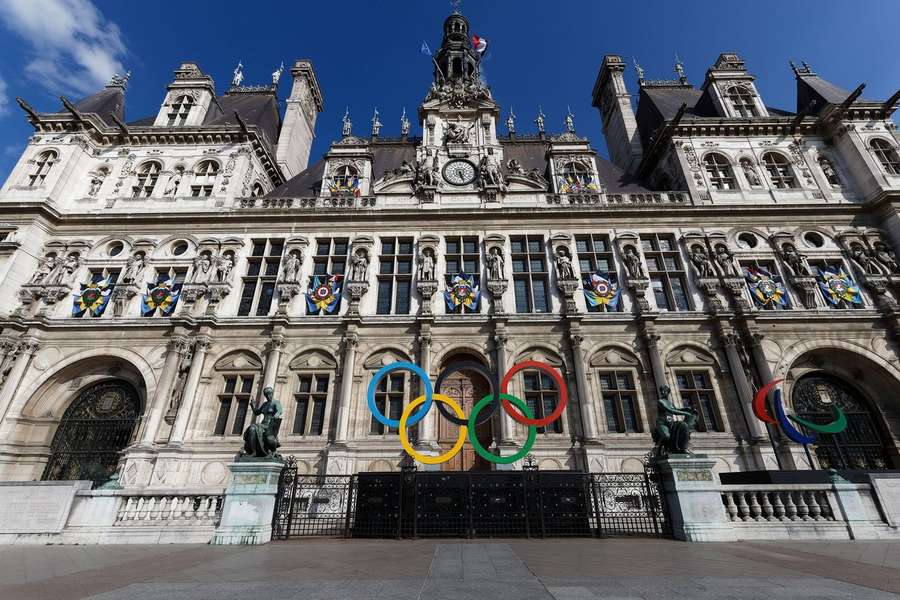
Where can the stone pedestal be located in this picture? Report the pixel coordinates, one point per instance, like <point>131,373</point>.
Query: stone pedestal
<point>249,503</point>
<point>693,499</point>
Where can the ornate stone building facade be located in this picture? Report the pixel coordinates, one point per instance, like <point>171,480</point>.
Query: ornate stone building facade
<point>746,244</point>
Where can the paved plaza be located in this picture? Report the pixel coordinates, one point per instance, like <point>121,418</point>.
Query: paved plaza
<point>579,569</point>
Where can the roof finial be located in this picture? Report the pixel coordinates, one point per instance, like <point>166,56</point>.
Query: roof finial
<point>276,76</point>
<point>638,69</point>
<point>455,4</point>
<point>794,68</point>
<point>376,124</point>
<point>404,123</point>
<point>347,125</point>
<point>238,76</point>
<point>511,121</point>
<point>570,120</point>
<point>119,80</point>
<point>679,69</point>
<point>539,121</point>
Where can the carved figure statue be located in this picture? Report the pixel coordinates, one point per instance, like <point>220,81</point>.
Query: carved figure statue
<point>346,124</point>
<point>134,268</point>
<point>404,124</point>
<point>886,257</point>
<point>490,173</point>
<point>750,173</point>
<point>359,265</point>
<point>564,264</point>
<point>570,122</point>
<point>261,439</point>
<point>633,263</point>
<point>700,260</point>
<point>174,182</point>
<point>290,272</point>
<point>44,269</point>
<point>457,133</point>
<point>495,264</point>
<point>404,169</point>
<point>670,435</point>
<point>276,76</point>
<point>539,121</point>
<point>829,172</point>
<point>224,266</point>
<point>514,168</point>
<point>97,182</point>
<point>238,76</point>
<point>426,175</point>
<point>535,175</point>
<point>725,260</point>
<point>184,366</point>
<point>203,268</point>
<point>794,261</point>
<point>64,272</point>
<point>426,265</point>
<point>866,263</point>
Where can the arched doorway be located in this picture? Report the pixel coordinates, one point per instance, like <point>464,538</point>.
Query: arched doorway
<point>467,388</point>
<point>94,430</point>
<point>861,445</point>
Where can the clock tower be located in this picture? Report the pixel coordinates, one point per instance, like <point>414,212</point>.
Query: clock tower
<point>460,153</point>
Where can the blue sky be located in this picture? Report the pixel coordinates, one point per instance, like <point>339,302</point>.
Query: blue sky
<point>366,52</point>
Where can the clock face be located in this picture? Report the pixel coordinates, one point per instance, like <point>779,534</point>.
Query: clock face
<point>459,172</point>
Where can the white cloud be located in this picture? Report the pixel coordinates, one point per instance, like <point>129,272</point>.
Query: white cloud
<point>73,47</point>
<point>4,101</point>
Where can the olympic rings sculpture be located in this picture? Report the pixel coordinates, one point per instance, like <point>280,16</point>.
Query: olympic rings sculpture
<point>481,412</point>
<point>783,419</point>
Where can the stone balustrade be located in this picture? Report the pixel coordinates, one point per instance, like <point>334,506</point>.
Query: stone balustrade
<point>748,503</point>
<point>180,510</point>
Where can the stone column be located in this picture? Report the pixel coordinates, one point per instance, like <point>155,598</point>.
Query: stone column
<point>651,340</point>
<point>176,349</point>
<point>428,427</point>
<point>507,425</point>
<point>351,341</point>
<point>744,391</point>
<point>17,359</point>
<point>190,392</point>
<point>588,414</point>
<point>273,357</point>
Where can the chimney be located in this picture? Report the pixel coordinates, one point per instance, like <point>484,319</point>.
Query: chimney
<point>299,127</point>
<point>620,129</point>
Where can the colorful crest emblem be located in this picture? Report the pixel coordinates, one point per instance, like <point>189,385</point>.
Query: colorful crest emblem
<point>601,291</point>
<point>325,293</point>
<point>765,288</point>
<point>341,186</point>
<point>93,297</point>
<point>837,286</point>
<point>163,297</point>
<point>462,290</point>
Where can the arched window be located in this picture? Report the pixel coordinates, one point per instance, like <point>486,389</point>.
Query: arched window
<point>204,178</point>
<point>886,155</point>
<point>779,170</point>
<point>718,169</point>
<point>829,171</point>
<point>742,101</point>
<point>180,110</point>
<point>345,180</point>
<point>860,445</point>
<point>257,190</point>
<point>93,431</point>
<point>146,180</point>
<point>42,166</point>
<point>576,177</point>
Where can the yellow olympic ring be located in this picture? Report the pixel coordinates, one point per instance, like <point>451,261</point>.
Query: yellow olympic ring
<point>425,458</point>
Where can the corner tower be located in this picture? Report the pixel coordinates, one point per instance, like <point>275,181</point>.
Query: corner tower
<point>620,128</point>
<point>299,128</point>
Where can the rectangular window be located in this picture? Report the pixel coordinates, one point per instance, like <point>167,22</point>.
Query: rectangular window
<point>619,400</point>
<point>666,271</point>
<point>389,396</point>
<point>234,404</point>
<point>310,397</point>
<point>696,392</point>
<point>836,266</point>
<point>331,258</point>
<point>395,276</point>
<point>462,256</point>
<point>542,396</point>
<point>530,276</point>
<point>259,282</point>
<point>763,295</point>
<point>595,256</point>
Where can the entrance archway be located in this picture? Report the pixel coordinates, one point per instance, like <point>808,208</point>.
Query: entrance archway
<point>94,430</point>
<point>861,445</point>
<point>467,388</point>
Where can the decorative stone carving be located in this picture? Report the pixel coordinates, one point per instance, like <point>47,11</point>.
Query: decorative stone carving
<point>701,263</point>
<point>750,172</point>
<point>496,263</point>
<point>564,264</point>
<point>725,261</point>
<point>490,178</point>
<point>184,366</point>
<point>634,266</point>
<point>134,269</point>
<point>794,261</point>
<point>426,176</point>
<point>497,283</point>
<point>290,270</point>
<point>359,265</point>
<point>457,132</point>
<point>426,262</point>
<point>459,93</point>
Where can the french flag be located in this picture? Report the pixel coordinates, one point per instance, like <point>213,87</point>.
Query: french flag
<point>480,44</point>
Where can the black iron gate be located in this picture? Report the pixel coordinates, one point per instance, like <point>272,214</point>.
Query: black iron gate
<point>413,504</point>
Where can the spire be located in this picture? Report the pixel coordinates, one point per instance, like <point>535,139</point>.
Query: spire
<point>376,124</point>
<point>347,127</point>
<point>404,124</point>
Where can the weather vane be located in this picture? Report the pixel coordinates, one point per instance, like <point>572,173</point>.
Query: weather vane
<point>455,4</point>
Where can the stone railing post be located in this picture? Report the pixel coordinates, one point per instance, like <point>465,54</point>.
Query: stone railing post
<point>694,499</point>
<point>249,503</point>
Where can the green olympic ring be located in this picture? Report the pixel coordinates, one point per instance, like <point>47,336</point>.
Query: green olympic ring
<point>480,450</point>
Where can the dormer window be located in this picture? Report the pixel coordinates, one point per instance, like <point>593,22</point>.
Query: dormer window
<point>742,101</point>
<point>345,181</point>
<point>42,166</point>
<point>779,170</point>
<point>257,190</point>
<point>575,178</point>
<point>718,169</point>
<point>204,179</point>
<point>886,155</point>
<point>181,108</point>
<point>146,180</point>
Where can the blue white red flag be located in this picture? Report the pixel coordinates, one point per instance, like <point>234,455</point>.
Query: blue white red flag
<point>480,44</point>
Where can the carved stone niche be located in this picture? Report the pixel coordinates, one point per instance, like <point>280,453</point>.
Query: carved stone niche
<point>358,281</point>
<point>704,268</point>
<point>289,283</point>
<point>874,269</point>
<point>426,280</point>
<point>55,275</point>
<point>124,291</point>
<point>497,282</point>
<point>799,273</point>
<point>213,271</point>
<point>636,280</point>
<point>566,282</point>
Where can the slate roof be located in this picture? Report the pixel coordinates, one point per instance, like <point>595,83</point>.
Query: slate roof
<point>813,88</point>
<point>109,100</point>
<point>659,104</point>
<point>255,108</point>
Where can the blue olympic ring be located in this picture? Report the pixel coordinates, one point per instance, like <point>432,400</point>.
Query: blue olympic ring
<point>423,410</point>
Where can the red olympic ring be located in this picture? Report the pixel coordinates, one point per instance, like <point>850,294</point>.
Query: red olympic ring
<point>759,403</point>
<point>557,377</point>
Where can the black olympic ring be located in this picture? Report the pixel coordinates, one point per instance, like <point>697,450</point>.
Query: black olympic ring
<point>481,369</point>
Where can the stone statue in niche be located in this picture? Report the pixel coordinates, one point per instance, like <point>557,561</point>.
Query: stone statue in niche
<point>426,175</point>
<point>495,264</point>
<point>671,436</point>
<point>700,260</point>
<point>633,263</point>
<point>795,261</point>
<point>134,269</point>
<point>490,173</point>
<point>359,265</point>
<point>184,367</point>
<point>426,265</point>
<point>203,268</point>
<point>457,133</point>
<point>750,173</point>
<point>64,272</point>
<point>290,273</point>
<point>224,266</point>
<point>866,263</point>
<point>97,182</point>
<point>44,269</point>
<point>886,257</point>
<point>174,182</point>
<point>564,264</point>
<point>261,439</point>
<point>725,261</point>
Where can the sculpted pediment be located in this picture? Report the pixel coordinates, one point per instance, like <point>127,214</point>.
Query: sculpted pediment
<point>313,359</point>
<point>613,357</point>
<point>239,361</point>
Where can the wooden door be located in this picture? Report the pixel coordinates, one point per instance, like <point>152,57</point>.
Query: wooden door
<point>466,388</point>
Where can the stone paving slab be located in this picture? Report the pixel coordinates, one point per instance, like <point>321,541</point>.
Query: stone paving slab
<point>581,569</point>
